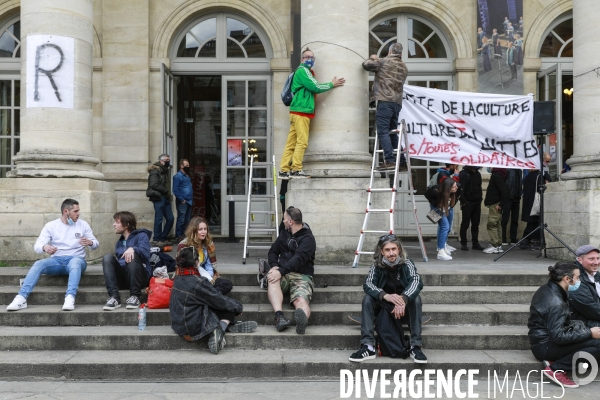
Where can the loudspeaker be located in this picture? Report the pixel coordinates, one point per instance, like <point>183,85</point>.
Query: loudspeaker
<point>543,117</point>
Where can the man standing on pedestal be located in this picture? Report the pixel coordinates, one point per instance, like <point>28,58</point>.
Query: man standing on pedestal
<point>182,189</point>
<point>158,193</point>
<point>302,110</point>
<point>388,86</point>
<point>65,240</point>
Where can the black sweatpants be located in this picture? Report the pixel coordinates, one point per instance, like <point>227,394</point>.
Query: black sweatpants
<point>372,307</point>
<point>562,355</point>
<point>510,211</point>
<point>471,214</point>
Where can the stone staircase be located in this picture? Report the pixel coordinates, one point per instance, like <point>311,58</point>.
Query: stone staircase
<point>478,322</point>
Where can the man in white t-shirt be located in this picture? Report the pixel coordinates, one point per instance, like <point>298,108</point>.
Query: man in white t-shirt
<point>65,240</point>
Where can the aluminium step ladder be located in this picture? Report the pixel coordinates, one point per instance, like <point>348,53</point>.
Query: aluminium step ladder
<point>393,190</point>
<point>251,213</point>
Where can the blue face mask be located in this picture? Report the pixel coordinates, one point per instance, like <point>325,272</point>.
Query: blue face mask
<point>310,63</point>
<point>574,287</point>
<point>70,221</point>
<point>488,169</point>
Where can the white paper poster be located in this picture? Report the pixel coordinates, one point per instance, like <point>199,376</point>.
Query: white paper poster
<point>487,130</point>
<point>50,71</point>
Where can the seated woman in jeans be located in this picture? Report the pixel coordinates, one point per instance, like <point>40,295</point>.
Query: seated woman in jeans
<point>198,309</point>
<point>197,235</point>
<point>444,203</point>
<point>553,337</point>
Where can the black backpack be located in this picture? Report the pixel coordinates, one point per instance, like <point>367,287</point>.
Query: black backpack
<point>390,335</point>
<point>286,94</point>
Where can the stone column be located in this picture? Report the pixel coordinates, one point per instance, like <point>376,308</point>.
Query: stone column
<point>55,161</point>
<point>338,143</point>
<point>585,162</point>
<point>57,141</point>
<point>572,209</point>
<point>333,201</point>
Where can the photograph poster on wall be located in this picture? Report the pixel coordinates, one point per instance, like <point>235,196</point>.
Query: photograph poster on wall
<point>500,46</point>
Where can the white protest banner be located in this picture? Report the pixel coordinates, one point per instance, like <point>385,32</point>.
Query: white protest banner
<point>50,71</point>
<point>486,130</point>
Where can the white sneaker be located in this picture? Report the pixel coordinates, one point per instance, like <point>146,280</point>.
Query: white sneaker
<point>449,249</point>
<point>499,249</point>
<point>442,255</point>
<point>490,250</point>
<point>17,304</point>
<point>69,303</point>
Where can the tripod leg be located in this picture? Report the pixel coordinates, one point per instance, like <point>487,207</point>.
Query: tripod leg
<point>519,243</point>
<point>561,242</point>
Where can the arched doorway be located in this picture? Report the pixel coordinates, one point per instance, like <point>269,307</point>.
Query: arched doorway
<point>555,83</point>
<point>428,57</point>
<point>221,105</point>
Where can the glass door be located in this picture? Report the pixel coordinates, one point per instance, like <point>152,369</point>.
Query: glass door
<point>550,89</point>
<point>246,133</point>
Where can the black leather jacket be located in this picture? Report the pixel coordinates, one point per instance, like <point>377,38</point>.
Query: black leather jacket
<point>549,318</point>
<point>192,300</point>
<point>584,302</point>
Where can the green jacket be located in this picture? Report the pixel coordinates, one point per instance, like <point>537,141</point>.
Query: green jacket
<point>304,87</point>
<point>409,278</point>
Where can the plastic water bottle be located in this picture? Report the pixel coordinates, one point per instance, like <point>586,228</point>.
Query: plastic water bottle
<point>142,317</point>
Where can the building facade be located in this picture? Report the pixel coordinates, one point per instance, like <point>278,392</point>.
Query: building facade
<point>200,80</point>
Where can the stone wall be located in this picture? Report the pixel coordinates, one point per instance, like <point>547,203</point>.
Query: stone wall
<point>27,204</point>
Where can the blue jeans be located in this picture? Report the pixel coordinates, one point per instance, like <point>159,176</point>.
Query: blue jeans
<point>184,214</point>
<point>444,226</point>
<point>162,210</point>
<point>386,118</point>
<point>72,266</point>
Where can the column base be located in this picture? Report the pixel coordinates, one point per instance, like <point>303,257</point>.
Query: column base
<point>52,164</point>
<point>334,208</point>
<point>572,214</point>
<point>29,203</point>
<point>338,165</point>
<point>583,167</point>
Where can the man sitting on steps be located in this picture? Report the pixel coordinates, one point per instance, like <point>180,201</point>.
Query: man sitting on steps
<point>292,262</point>
<point>585,301</point>
<point>65,240</point>
<point>393,278</point>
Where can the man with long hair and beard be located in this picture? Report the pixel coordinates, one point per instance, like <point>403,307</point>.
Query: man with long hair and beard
<point>393,278</point>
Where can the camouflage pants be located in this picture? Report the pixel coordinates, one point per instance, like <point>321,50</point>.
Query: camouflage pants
<point>298,285</point>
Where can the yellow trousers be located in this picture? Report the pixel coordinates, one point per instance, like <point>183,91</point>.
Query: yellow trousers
<point>296,144</point>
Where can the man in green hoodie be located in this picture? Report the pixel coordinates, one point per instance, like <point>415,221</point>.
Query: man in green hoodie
<point>302,110</point>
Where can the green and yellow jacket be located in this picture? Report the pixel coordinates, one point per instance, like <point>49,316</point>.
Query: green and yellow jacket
<point>304,87</point>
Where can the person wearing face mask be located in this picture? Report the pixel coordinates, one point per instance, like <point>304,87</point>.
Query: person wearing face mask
<point>65,240</point>
<point>292,265</point>
<point>302,110</point>
<point>585,301</point>
<point>158,193</point>
<point>553,336</point>
<point>388,87</point>
<point>182,189</point>
<point>392,282</point>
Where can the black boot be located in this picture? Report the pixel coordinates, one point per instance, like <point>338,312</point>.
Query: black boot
<point>476,246</point>
<point>463,246</point>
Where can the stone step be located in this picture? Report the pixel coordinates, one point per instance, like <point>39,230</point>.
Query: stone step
<point>329,275</point>
<point>158,365</point>
<point>265,337</point>
<point>322,314</point>
<point>330,295</point>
